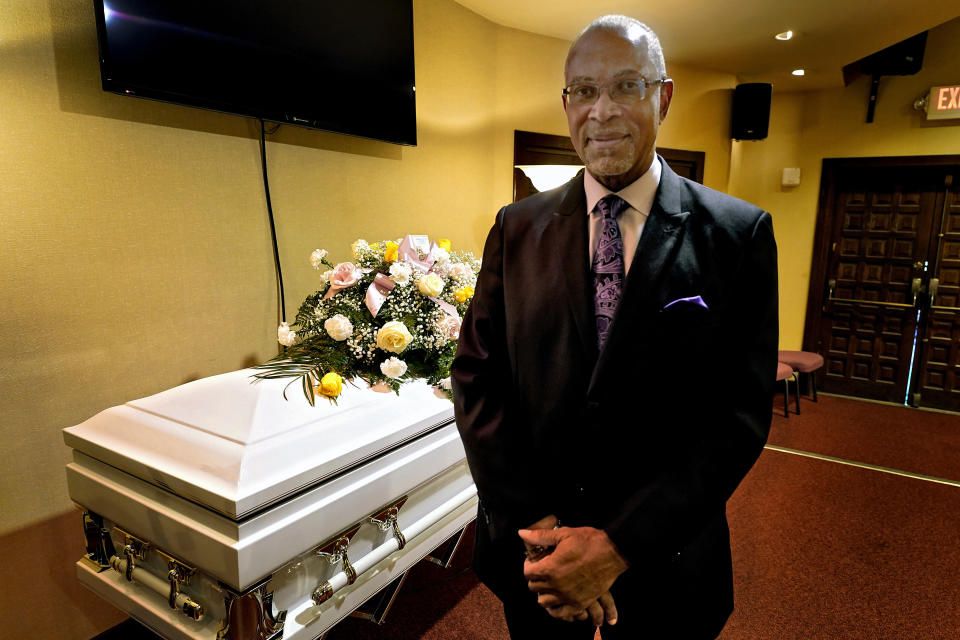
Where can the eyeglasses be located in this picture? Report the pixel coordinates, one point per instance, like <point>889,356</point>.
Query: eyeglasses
<point>623,91</point>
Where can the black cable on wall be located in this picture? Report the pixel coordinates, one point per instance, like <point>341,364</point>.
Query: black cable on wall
<point>273,228</point>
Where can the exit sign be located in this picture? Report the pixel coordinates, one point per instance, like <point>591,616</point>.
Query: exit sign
<point>943,102</point>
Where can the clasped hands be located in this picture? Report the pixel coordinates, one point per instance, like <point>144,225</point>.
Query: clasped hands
<point>573,581</point>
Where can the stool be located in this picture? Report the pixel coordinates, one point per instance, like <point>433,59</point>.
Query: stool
<point>785,372</point>
<point>804,362</point>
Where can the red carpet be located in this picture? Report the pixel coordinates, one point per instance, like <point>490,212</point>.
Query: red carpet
<point>828,551</point>
<point>922,442</point>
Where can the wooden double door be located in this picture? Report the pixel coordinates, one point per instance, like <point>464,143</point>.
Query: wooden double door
<point>884,304</point>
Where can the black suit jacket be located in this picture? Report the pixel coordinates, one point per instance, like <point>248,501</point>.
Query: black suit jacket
<point>648,439</point>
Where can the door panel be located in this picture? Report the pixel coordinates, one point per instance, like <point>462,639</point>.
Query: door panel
<point>939,363</point>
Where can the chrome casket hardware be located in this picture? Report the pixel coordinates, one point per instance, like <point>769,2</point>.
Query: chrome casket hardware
<point>335,552</point>
<point>326,589</point>
<point>256,605</point>
<point>178,574</point>
<point>135,548</point>
<point>387,519</point>
<point>339,554</point>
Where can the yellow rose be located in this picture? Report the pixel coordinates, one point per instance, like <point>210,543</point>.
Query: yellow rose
<point>430,285</point>
<point>444,243</point>
<point>393,337</point>
<point>392,252</point>
<point>463,294</point>
<point>330,385</point>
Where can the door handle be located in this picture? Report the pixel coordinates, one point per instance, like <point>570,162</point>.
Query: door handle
<point>914,290</point>
<point>932,290</point>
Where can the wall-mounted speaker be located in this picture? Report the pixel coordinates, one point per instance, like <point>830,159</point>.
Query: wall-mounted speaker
<point>750,117</point>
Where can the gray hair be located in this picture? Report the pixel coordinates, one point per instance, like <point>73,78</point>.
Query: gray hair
<point>633,30</point>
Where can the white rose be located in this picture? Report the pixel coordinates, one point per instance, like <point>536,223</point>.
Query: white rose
<point>326,275</point>
<point>445,384</point>
<point>393,367</point>
<point>285,335</point>
<point>316,258</point>
<point>400,272</point>
<point>338,327</point>
<point>359,246</point>
<point>430,285</point>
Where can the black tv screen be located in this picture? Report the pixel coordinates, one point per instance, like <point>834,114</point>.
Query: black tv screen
<point>342,65</point>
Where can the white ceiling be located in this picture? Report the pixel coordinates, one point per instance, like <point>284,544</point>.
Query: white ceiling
<point>737,37</point>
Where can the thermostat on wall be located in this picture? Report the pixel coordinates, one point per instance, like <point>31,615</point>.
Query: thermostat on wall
<point>790,177</point>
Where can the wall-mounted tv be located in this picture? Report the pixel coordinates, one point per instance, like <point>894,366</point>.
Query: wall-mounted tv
<point>342,66</point>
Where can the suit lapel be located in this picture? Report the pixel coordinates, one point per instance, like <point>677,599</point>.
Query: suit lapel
<point>567,236</point>
<point>658,241</point>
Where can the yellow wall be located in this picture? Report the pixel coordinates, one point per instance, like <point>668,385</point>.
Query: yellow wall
<point>807,127</point>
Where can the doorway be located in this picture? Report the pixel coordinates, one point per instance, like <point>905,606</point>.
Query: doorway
<point>531,148</point>
<point>884,303</point>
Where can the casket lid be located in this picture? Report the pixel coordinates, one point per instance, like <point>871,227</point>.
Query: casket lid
<point>236,445</point>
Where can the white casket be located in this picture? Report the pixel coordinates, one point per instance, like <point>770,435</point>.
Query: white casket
<point>221,510</point>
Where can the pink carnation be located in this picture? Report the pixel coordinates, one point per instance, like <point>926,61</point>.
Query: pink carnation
<point>344,275</point>
<point>450,327</point>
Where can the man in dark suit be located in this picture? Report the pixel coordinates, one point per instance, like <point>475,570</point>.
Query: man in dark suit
<point>613,382</point>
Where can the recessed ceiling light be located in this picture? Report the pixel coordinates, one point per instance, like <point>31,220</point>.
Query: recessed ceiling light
<point>798,72</point>
<point>786,35</point>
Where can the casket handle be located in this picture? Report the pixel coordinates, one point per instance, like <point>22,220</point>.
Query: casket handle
<point>336,552</point>
<point>388,520</point>
<point>134,549</point>
<point>178,574</point>
<point>385,519</point>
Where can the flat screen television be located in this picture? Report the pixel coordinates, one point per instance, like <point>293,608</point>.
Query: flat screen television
<point>338,65</point>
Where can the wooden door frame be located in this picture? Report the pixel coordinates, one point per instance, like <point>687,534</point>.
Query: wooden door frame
<point>831,169</point>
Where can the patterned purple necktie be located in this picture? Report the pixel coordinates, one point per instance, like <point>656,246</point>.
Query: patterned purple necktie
<point>608,272</point>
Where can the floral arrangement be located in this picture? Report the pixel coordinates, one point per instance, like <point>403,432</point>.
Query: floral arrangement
<point>390,316</point>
